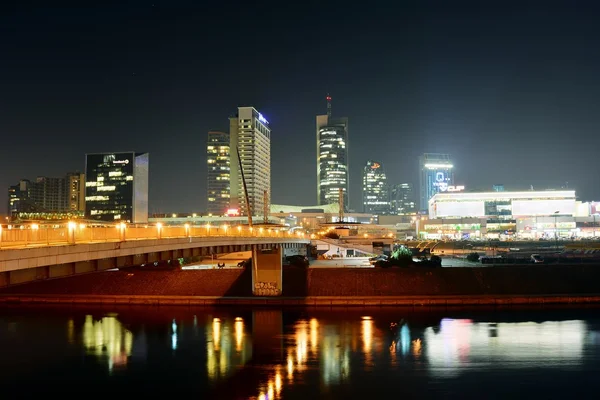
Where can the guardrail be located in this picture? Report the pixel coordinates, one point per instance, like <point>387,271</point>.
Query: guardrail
<point>14,236</point>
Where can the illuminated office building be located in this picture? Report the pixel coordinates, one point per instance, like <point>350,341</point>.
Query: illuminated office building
<point>249,133</point>
<point>332,158</point>
<point>375,189</point>
<point>117,187</point>
<point>402,199</point>
<point>219,166</point>
<point>436,174</point>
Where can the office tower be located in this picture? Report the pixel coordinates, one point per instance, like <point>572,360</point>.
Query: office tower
<point>498,188</point>
<point>436,174</point>
<point>47,195</point>
<point>19,198</point>
<point>250,135</point>
<point>117,187</point>
<point>402,199</point>
<point>332,158</point>
<point>375,189</point>
<point>219,165</point>
<point>76,191</point>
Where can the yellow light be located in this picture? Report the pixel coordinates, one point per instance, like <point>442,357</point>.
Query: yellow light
<point>239,228</point>
<point>72,225</point>
<point>239,333</point>
<point>278,383</point>
<point>122,226</point>
<point>81,226</point>
<point>158,225</point>
<point>216,333</point>
<point>35,227</point>
<point>270,390</point>
<point>187,226</point>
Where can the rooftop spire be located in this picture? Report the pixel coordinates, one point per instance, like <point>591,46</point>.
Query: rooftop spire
<point>328,105</point>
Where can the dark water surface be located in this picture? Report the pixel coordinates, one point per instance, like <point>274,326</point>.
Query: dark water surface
<point>224,353</point>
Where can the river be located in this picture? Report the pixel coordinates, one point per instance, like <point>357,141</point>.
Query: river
<point>226,353</point>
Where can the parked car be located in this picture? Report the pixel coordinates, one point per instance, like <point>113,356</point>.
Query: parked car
<point>296,260</point>
<point>382,257</point>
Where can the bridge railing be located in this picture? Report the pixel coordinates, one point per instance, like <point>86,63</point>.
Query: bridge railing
<point>30,235</point>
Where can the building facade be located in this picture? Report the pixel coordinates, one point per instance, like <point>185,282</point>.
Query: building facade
<point>504,215</point>
<point>332,158</point>
<point>47,196</point>
<point>375,189</point>
<point>402,200</point>
<point>250,137</point>
<point>117,187</point>
<point>436,174</point>
<point>218,177</point>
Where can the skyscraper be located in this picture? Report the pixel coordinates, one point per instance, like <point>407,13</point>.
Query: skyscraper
<point>250,135</point>
<point>436,174</point>
<point>402,198</point>
<point>375,189</point>
<point>332,158</point>
<point>218,177</point>
<point>117,187</point>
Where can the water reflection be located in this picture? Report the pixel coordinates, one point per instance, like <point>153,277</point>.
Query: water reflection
<point>270,354</point>
<point>107,338</point>
<point>461,342</point>
<point>221,356</point>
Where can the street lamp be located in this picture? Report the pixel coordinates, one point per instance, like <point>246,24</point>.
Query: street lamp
<point>556,230</point>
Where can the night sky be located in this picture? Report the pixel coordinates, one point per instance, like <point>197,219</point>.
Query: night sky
<point>511,91</point>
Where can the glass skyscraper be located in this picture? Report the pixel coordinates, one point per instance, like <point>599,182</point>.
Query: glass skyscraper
<point>117,187</point>
<point>436,174</point>
<point>219,167</point>
<point>402,199</point>
<point>375,189</point>
<point>332,158</point>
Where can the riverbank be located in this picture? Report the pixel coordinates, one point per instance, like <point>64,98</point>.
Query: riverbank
<point>328,301</point>
<point>549,284</point>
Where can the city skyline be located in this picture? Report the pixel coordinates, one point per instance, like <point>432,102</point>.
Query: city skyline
<point>507,114</point>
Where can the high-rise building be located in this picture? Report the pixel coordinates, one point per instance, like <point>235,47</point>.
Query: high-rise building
<point>47,195</point>
<point>402,199</point>
<point>76,191</point>
<point>436,174</point>
<point>376,198</point>
<point>250,137</point>
<point>498,188</point>
<point>332,158</point>
<point>219,166</point>
<point>117,187</point>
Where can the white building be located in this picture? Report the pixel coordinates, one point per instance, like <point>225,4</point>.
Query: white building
<point>504,215</point>
<point>503,205</point>
<point>250,135</point>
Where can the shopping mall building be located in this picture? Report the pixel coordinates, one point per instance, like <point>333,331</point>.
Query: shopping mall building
<point>510,215</point>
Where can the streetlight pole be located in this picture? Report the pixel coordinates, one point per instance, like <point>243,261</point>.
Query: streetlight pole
<point>556,230</point>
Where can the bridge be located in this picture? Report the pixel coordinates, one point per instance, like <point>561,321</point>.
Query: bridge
<point>34,251</point>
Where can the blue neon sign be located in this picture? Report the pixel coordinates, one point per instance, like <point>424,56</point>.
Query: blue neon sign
<point>262,119</point>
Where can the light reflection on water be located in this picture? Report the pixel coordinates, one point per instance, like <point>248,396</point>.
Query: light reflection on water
<point>268,354</point>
